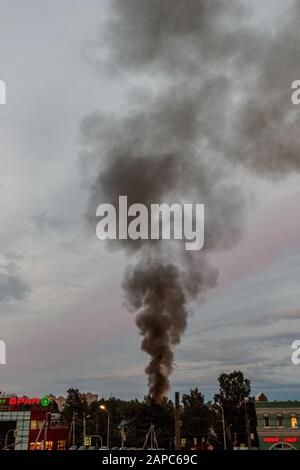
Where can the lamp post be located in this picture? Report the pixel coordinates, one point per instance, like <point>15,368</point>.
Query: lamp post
<point>103,408</point>
<point>223,425</point>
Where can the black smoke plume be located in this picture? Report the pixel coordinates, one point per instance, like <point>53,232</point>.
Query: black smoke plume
<point>209,102</point>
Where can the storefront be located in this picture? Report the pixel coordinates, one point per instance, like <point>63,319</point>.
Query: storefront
<point>28,424</point>
<point>278,424</point>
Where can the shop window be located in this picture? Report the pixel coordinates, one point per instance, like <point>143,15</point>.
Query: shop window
<point>61,445</point>
<point>266,421</point>
<point>55,424</point>
<point>279,421</point>
<point>49,445</point>
<point>36,424</point>
<point>40,445</point>
<point>35,446</point>
<point>294,421</point>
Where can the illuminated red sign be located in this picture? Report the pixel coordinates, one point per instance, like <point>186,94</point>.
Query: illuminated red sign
<point>23,401</point>
<point>277,439</point>
<point>290,439</point>
<point>271,439</point>
<point>16,401</point>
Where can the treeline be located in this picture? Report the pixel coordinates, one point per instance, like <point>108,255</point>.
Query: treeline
<point>201,422</point>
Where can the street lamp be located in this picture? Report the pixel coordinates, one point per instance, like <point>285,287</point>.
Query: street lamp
<point>103,408</point>
<point>223,424</point>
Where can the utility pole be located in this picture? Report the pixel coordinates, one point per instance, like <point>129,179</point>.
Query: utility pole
<point>224,429</point>
<point>46,432</point>
<point>108,429</point>
<point>247,424</point>
<point>84,427</point>
<point>153,440</point>
<point>177,422</point>
<point>39,434</point>
<point>97,422</point>
<point>85,416</point>
<point>73,427</point>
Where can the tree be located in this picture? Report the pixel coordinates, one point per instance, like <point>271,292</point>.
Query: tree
<point>161,415</point>
<point>195,417</point>
<point>53,407</point>
<point>234,388</point>
<point>75,403</point>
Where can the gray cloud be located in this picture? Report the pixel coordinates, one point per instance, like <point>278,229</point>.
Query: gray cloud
<point>44,222</point>
<point>259,319</point>
<point>12,284</point>
<point>108,385</point>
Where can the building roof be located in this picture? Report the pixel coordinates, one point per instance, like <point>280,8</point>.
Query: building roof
<point>261,397</point>
<point>278,404</point>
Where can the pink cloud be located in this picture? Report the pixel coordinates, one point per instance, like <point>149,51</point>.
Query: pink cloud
<point>271,231</point>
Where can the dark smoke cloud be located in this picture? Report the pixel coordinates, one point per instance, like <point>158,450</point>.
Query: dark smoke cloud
<point>157,294</point>
<point>221,102</point>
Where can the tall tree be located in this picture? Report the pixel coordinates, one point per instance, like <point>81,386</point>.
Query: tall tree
<point>161,415</point>
<point>75,405</point>
<point>195,416</point>
<point>234,388</point>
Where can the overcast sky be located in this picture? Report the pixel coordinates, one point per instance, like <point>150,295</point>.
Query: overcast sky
<point>61,302</point>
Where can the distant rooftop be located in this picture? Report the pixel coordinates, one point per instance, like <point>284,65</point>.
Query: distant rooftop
<point>261,397</point>
<point>261,401</point>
